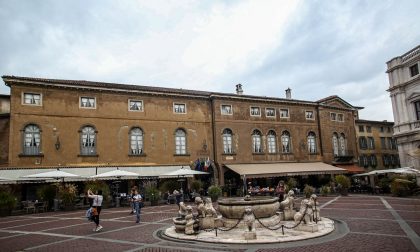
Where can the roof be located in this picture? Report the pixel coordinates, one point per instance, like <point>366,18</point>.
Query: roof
<point>374,122</point>
<point>283,169</point>
<point>10,79</point>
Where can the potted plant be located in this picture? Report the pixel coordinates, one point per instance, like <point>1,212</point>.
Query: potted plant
<point>7,203</point>
<point>46,193</point>
<point>308,191</point>
<point>214,192</point>
<point>343,184</point>
<point>152,194</point>
<point>67,195</point>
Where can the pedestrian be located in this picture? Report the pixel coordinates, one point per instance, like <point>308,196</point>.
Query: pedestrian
<point>177,195</point>
<point>137,199</point>
<point>280,189</point>
<point>131,198</point>
<point>97,206</point>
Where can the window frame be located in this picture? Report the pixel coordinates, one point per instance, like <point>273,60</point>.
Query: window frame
<point>85,96</point>
<point>227,141</point>
<point>251,110</point>
<point>311,142</point>
<point>271,142</point>
<point>31,104</point>
<point>32,150</point>
<point>333,116</point>
<point>135,100</point>
<point>257,145</point>
<point>309,118</point>
<point>222,111</point>
<point>370,143</point>
<point>284,109</point>
<point>286,134</point>
<point>414,70</point>
<point>141,136</point>
<point>270,116</point>
<point>93,146</point>
<point>369,129</point>
<point>417,109</point>
<point>183,147</point>
<point>338,117</point>
<point>178,104</point>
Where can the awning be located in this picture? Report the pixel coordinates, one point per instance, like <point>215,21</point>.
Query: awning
<point>284,169</point>
<point>16,174</point>
<point>403,170</point>
<point>352,168</point>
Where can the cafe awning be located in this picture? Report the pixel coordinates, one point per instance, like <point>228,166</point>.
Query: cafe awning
<point>284,169</point>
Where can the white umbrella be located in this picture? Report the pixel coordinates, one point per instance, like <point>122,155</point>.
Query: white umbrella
<point>117,174</point>
<point>57,174</point>
<point>184,171</point>
<point>3,178</point>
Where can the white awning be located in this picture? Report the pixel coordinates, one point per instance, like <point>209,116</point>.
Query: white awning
<point>16,175</point>
<point>284,169</point>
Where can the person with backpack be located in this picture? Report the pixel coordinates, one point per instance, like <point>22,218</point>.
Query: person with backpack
<point>96,207</point>
<point>137,203</point>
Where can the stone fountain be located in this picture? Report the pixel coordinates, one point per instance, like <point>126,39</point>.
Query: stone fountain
<point>250,220</point>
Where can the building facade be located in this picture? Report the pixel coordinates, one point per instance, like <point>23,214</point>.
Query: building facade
<point>67,123</point>
<point>377,148</point>
<point>404,88</point>
<point>4,128</point>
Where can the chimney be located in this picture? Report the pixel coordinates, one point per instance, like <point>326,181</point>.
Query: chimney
<point>288,93</point>
<point>239,90</point>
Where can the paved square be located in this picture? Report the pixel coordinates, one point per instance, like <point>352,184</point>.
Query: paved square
<point>375,223</point>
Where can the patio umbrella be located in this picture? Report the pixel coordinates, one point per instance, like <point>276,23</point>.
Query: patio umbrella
<point>184,171</point>
<point>116,174</point>
<point>57,174</point>
<point>3,178</point>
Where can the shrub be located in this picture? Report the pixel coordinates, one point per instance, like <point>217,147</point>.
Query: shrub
<point>401,187</point>
<point>67,193</point>
<point>214,192</point>
<point>385,184</point>
<point>152,193</point>
<point>290,184</point>
<point>325,190</point>
<point>196,185</point>
<point>308,191</point>
<point>47,193</point>
<point>343,181</point>
<point>7,200</point>
<point>169,185</point>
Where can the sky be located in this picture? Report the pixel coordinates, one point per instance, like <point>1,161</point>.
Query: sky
<point>316,48</point>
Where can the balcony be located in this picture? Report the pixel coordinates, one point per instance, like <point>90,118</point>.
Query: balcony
<point>344,158</point>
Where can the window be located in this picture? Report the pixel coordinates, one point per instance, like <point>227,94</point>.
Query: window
<point>88,141</point>
<point>311,143</point>
<point>389,129</point>
<point>285,142</point>
<point>284,113</point>
<point>381,129</point>
<point>135,105</point>
<point>309,115</point>
<point>180,142</point>
<point>417,108</point>
<point>373,162</point>
<point>368,129</point>
<point>271,142</point>
<point>363,161</point>
<point>385,159</point>
<point>32,99</point>
<point>32,140</point>
<point>383,143</point>
<point>392,160</point>
<point>342,142</point>
<point>87,102</point>
<point>414,70</point>
<point>227,141</point>
<point>393,143</point>
<point>333,116</point>
<point>362,143</point>
<point>255,111</point>
<point>180,108</point>
<point>335,144</point>
<point>361,128</point>
<point>256,142</point>
<point>270,112</point>
<point>371,143</point>
<point>226,109</point>
<point>136,141</point>
<point>340,117</point>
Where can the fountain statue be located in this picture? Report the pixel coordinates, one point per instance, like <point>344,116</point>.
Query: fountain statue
<point>288,205</point>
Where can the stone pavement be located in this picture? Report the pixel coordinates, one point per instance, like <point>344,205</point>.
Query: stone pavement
<point>369,223</point>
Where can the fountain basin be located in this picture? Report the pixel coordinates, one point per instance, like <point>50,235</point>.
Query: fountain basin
<point>262,206</point>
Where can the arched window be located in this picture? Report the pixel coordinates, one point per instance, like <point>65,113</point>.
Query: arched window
<point>373,161</point>
<point>256,141</point>
<point>335,144</point>
<point>136,141</point>
<point>311,142</point>
<point>180,142</point>
<point>32,140</point>
<point>285,142</point>
<point>88,141</point>
<point>363,161</point>
<point>342,142</point>
<point>227,141</point>
<point>271,142</point>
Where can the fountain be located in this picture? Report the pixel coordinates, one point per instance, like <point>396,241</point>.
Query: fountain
<point>250,220</point>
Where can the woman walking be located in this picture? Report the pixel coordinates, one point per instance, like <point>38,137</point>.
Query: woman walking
<point>97,206</point>
<point>137,199</point>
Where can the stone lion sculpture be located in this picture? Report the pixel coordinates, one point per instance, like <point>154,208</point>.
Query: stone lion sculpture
<point>189,226</point>
<point>289,201</point>
<point>209,209</point>
<point>305,212</point>
<point>182,210</point>
<point>201,209</point>
<point>249,218</point>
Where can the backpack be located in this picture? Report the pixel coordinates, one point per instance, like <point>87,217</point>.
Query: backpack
<point>89,214</point>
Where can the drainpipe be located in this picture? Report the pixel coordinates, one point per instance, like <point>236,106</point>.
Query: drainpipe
<point>319,131</point>
<point>213,127</point>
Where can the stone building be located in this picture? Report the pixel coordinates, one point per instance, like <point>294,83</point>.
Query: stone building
<point>404,89</point>
<point>83,124</point>
<point>376,146</point>
<point>4,128</point>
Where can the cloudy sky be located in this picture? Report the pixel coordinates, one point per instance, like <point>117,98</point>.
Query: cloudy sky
<point>317,48</point>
